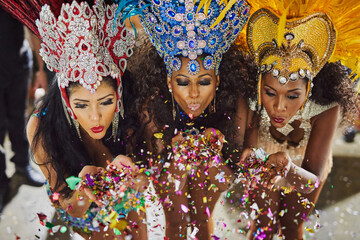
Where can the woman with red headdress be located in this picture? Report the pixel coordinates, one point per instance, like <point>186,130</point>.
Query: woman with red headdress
<point>77,129</point>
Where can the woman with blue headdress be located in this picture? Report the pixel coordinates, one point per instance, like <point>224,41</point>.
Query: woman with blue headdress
<point>189,106</point>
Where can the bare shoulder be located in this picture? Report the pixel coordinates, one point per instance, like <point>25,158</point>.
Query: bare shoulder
<point>37,150</point>
<point>328,117</point>
<point>31,127</point>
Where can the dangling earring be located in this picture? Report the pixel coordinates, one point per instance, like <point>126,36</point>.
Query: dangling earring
<point>77,127</point>
<point>259,90</point>
<point>173,105</point>
<point>308,93</point>
<point>213,108</point>
<point>115,126</point>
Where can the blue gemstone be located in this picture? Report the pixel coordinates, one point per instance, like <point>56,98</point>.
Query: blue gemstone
<point>225,26</point>
<point>231,17</point>
<point>175,63</point>
<point>170,45</point>
<point>190,16</point>
<point>209,62</point>
<point>157,28</point>
<point>246,11</point>
<point>213,41</point>
<point>191,44</point>
<point>236,31</point>
<point>171,13</point>
<point>157,2</point>
<point>177,31</point>
<point>237,21</point>
<point>193,67</point>
<point>223,44</point>
<point>203,31</point>
<point>166,27</point>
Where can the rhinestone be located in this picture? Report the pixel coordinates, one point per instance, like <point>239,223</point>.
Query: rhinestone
<point>192,55</point>
<point>179,17</point>
<point>275,73</point>
<point>191,44</point>
<point>301,73</point>
<point>201,16</point>
<point>289,36</point>
<point>171,13</point>
<point>190,16</point>
<point>232,16</point>
<point>282,80</point>
<point>201,43</point>
<point>293,76</point>
<point>181,44</point>
<point>263,67</point>
<point>191,34</point>
<point>269,67</point>
<point>190,27</point>
<point>193,67</point>
<point>213,41</point>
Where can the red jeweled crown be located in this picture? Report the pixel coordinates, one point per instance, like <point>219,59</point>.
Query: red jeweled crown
<point>84,44</point>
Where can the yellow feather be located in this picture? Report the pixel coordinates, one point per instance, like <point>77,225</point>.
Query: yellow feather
<point>345,15</point>
<point>223,12</point>
<point>201,4</point>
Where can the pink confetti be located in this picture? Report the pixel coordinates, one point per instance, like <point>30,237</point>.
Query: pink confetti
<point>207,211</point>
<point>184,208</point>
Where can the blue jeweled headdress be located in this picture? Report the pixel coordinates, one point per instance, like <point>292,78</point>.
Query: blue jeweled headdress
<point>176,29</point>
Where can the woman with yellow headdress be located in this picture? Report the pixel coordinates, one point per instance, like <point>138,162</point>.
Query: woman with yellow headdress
<point>302,91</point>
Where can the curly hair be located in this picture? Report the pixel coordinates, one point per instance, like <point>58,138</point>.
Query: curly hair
<point>154,101</point>
<point>331,84</point>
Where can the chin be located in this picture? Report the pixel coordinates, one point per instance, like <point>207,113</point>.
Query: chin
<point>279,125</point>
<point>97,136</point>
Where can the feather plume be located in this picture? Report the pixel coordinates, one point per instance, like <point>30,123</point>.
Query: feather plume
<point>345,15</point>
<point>28,11</point>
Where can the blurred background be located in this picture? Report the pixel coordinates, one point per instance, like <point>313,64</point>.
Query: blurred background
<point>337,212</point>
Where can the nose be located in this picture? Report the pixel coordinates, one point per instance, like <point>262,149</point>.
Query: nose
<point>194,91</point>
<point>280,104</point>
<point>94,115</point>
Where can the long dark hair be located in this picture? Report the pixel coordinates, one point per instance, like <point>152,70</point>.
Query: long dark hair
<point>153,97</point>
<point>65,151</point>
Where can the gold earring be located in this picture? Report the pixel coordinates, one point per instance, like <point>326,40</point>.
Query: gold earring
<point>213,108</point>
<point>173,105</point>
<point>259,91</point>
<point>77,127</point>
<point>115,126</point>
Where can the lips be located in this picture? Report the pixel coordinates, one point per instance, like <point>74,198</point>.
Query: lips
<point>194,107</point>
<point>278,119</point>
<point>97,129</point>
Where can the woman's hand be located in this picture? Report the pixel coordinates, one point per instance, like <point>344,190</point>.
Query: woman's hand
<point>277,165</point>
<point>215,136</point>
<point>139,180</point>
<point>91,170</point>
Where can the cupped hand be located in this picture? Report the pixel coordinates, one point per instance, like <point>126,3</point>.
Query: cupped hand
<point>214,135</point>
<point>91,170</point>
<point>276,166</point>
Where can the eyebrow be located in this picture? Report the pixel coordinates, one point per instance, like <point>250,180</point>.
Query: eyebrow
<point>292,90</point>
<point>181,75</point>
<point>205,74</point>
<point>82,100</point>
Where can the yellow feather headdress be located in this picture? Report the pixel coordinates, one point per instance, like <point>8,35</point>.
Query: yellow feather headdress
<point>285,15</point>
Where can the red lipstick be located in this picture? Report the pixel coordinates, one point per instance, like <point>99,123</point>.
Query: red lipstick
<point>278,120</point>
<point>97,129</point>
